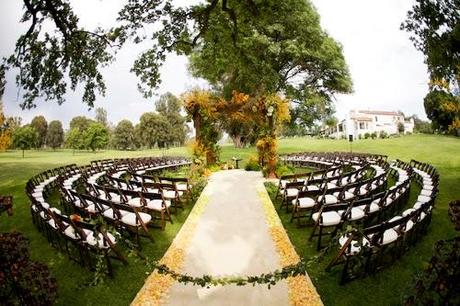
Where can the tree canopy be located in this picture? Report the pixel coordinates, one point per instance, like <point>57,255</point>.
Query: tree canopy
<point>435,29</point>
<point>25,138</point>
<point>270,45</point>
<point>154,129</point>
<point>124,136</point>
<point>40,125</point>
<point>55,135</point>
<point>169,106</point>
<point>96,136</point>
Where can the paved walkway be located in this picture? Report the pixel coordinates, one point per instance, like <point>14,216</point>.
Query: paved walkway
<point>232,237</point>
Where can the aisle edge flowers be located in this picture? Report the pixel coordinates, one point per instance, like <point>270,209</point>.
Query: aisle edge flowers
<point>301,290</point>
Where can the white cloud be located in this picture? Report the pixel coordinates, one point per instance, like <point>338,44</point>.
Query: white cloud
<point>387,71</point>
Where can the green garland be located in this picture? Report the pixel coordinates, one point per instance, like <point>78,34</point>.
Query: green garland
<point>268,279</point>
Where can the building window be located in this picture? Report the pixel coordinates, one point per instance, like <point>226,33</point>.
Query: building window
<point>376,119</point>
<point>361,126</point>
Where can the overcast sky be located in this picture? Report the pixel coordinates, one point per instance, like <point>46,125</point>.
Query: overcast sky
<point>388,73</point>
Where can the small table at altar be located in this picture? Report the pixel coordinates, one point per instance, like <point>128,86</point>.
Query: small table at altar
<point>236,160</point>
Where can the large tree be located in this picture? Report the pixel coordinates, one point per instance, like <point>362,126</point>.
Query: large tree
<point>96,136</point>
<point>80,122</point>
<point>25,138</point>
<point>281,50</point>
<point>40,124</point>
<point>443,109</point>
<point>154,129</point>
<point>170,107</point>
<point>74,139</point>
<point>101,116</point>
<point>124,136</point>
<point>435,29</point>
<point>247,29</point>
<point>55,135</point>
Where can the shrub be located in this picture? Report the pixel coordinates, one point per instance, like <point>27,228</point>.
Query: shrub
<point>367,135</point>
<point>23,282</point>
<point>252,164</point>
<point>374,135</point>
<point>439,284</point>
<point>284,170</point>
<point>383,134</point>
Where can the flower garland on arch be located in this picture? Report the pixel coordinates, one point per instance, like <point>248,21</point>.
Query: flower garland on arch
<point>267,112</point>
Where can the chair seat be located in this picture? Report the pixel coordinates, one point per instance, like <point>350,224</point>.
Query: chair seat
<point>304,202</point>
<point>98,241</point>
<point>356,214</point>
<point>329,218</point>
<point>182,187</point>
<point>135,202</point>
<point>389,236</point>
<point>373,207</point>
<point>109,213</point>
<point>408,212</point>
<point>291,192</point>
<point>354,247</point>
<point>346,195</point>
<point>329,199</point>
<point>428,187</point>
<point>312,188</point>
<point>92,208</point>
<point>77,203</point>
<point>423,199</point>
<point>71,233</point>
<point>158,204</point>
<point>52,223</point>
<point>363,190</point>
<point>116,198</point>
<point>130,218</point>
<point>426,193</point>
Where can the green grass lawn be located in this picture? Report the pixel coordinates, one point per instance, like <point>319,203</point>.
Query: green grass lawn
<point>385,288</point>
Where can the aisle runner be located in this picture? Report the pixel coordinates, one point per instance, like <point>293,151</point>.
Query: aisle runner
<point>232,230</point>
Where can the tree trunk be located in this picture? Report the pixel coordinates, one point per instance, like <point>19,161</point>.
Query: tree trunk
<point>237,141</point>
<point>22,153</point>
<point>272,159</point>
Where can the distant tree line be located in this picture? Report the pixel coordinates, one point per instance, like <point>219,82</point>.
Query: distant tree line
<point>163,128</point>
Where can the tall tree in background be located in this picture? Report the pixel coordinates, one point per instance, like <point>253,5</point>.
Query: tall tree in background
<point>101,116</point>
<point>40,124</point>
<point>442,108</point>
<point>25,138</point>
<point>169,106</point>
<point>124,136</point>
<point>154,129</point>
<point>74,139</point>
<point>55,135</point>
<point>435,28</point>
<point>96,136</point>
<point>80,122</point>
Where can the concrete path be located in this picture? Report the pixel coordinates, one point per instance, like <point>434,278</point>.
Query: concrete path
<point>232,230</point>
<point>232,238</point>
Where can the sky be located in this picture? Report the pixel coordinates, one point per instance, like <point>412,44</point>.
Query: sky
<point>387,72</point>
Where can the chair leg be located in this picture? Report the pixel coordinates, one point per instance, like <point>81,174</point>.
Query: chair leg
<point>318,246</point>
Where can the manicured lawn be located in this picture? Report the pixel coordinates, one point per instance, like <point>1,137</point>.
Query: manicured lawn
<point>385,288</point>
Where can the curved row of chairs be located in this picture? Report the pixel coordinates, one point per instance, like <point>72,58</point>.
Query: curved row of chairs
<point>86,194</point>
<point>383,225</point>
